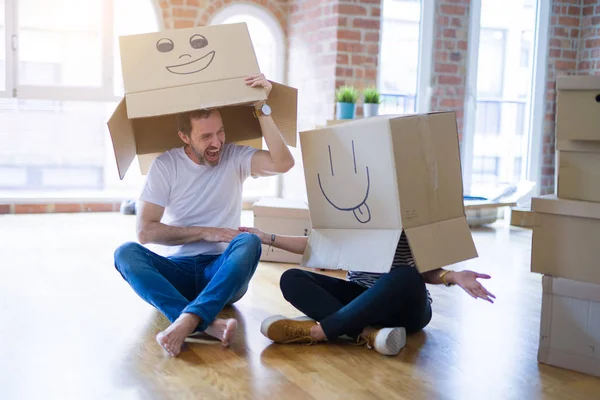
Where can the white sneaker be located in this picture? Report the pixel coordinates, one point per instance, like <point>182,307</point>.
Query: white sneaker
<point>386,341</point>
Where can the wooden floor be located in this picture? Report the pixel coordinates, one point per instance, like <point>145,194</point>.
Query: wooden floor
<point>71,328</point>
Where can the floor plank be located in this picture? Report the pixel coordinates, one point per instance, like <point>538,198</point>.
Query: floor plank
<point>71,328</point>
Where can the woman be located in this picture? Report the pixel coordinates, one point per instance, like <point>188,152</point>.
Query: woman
<point>398,300</point>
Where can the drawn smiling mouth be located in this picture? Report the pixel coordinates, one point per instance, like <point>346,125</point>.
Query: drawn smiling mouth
<point>194,66</point>
<point>361,211</point>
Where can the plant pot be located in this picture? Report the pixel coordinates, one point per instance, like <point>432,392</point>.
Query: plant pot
<point>370,109</point>
<point>345,110</point>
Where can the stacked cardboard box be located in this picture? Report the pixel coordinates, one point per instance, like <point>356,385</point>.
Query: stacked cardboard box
<point>566,233</point>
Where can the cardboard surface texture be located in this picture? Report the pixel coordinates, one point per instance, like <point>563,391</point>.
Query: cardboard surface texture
<point>578,108</point>
<point>282,217</point>
<point>578,170</point>
<point>369,179</point>
<point>570,325</point>
<point>173,71</point>
<point>565,238</point>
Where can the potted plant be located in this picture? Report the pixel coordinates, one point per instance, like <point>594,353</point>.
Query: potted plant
<point>346,97</point>
<point>371,101</point>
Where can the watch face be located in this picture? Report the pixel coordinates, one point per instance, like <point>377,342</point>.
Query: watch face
<point>266,110</point>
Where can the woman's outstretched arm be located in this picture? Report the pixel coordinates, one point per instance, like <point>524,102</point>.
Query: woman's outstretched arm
<point>293,244</point>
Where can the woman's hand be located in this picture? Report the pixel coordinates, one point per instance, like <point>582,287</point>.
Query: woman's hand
<point>467,280</point>
<point>264,238</point>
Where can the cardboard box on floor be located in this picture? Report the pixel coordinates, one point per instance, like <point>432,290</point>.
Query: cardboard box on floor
<point>570,325</point>
<point>369,179</point>
<point>282,217</point>
<point>578,108</point>
<point>173,71</point>
<point>565,238</point>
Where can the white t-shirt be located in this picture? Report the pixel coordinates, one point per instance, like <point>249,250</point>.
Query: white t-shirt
<point>198,195</point>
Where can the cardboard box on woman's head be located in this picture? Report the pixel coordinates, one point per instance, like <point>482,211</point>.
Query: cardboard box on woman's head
<point>368,180</point>
<point>173,71</point>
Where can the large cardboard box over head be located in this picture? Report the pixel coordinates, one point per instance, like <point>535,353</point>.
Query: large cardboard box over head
<point>578,169</point>
<point>565,238</point>
<point>282,217</point>
<point>578,108</point>
<point>370,179</point>
<point>570,325</point>
<point>173,71</point>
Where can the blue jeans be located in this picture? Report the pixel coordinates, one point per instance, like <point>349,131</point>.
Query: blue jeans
<point>398,299</point>
<point>201,285</point>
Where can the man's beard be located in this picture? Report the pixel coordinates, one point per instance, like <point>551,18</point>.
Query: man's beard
<point>201,158</point>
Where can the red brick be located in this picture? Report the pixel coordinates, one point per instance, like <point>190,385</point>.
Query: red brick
<point>569,54</point>
<point>342,59</point>
<point>588,11</point>
<point>555,53</point>
<point>176,2</point>
<point>584,65</point>
<point>373,49</point>
<point>450,45</point>
<point>449,33</point>
<point>456,56</point>
<point>30,208</point>
<point>555,43</point>
<point>447,68</point>
<point>98,207</point>
<point>442,21</point>
<point>366,23</point>
<point>574,10</point>
<point>597,9</point>
<point>4,208</point>
<point>371,1</point>
<point>591,43</point>
<point>347,34</point>
<point>371,37</point>
<point>560,31</point>
<point>163,4</point>
<point>441,56</point>
<point>451,103</point>
<point>349,9</point>
<point>184,23</point>
<point>192,3</point>
<point>376,12</point>
<point>453,10</point>
<point>371,74</point>
<point>349,47</point>
<point>463,45</point>
<point>568,21</point>
<point>596,20</point>
<point>449,80</point>
<point>575,33</point>
<point>67,207</point>
<point>457,22</point>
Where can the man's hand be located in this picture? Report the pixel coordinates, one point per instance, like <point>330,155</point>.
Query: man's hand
<point>220,234</point>
<point>259,81</point>
<point>467,280</point>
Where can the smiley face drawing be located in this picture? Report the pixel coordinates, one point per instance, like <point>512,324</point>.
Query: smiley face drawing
<point>358,205</point>
<point>190,64</point>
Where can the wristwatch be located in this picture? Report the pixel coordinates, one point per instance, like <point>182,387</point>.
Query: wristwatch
<point>261,110</point>
<point>442,276</point>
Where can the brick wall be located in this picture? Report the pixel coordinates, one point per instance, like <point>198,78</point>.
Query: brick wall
<point>589,43</point>
<point>450,59</point>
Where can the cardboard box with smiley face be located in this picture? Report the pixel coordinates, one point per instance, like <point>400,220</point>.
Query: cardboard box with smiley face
<point>173,71</point>
<point>368,180</point>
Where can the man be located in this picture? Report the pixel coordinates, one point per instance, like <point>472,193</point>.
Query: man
<point>197,188</point>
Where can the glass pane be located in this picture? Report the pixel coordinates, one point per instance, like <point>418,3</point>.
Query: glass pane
<point>399,59</point>
<point>144,22</point>
<point>2,45</point>
<point>60,42</point>
<point>504,86</point>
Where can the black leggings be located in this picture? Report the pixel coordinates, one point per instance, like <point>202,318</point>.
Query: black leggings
<point>398,299</point>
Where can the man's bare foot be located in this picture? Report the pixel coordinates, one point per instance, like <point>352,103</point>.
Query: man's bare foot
<point>172,338</point>
<point>223,329</point>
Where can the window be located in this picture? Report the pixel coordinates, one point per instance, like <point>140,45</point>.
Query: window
<point>490,79</point>
<point>53,138</point>
<point>268,41</point>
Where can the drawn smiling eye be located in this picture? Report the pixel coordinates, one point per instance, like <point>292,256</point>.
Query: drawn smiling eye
<point>165,45</point>
<point>198,41</point>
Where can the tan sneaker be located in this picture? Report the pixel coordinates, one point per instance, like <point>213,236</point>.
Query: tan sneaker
<point>387,341</point>
<point>288,330</point>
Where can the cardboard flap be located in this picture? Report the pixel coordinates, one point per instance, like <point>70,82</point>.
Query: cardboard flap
<point>571,288</point>
<point>351,249</point>
<point>283,101</point>
<point>174,100</point>
<point>441,244</point>
<point>122,136</point>
<point>578,82</point>
<point>551,204</point>
<point>428,168</point>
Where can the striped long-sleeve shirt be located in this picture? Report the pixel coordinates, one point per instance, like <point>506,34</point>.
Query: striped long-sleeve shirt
<point>403,257</point>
